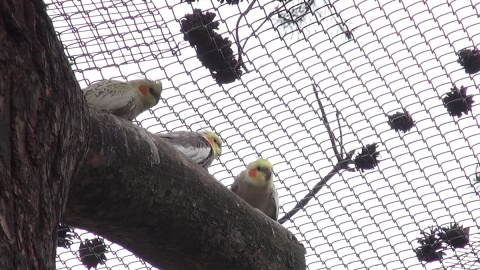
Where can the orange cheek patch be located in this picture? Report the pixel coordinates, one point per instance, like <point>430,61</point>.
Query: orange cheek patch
<point>142,88</point>
<point>210,140</point>
<point>252,173</point>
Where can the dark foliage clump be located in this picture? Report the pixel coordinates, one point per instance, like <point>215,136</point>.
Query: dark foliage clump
<point>401,121</point>
<point>368,158</point>
<point>430,249</point>
<point>457,101</point>
<point>93,252</point>
<point>455,235</point>
<point>432,244</point>
<point>470,60</point>
<point>213,51</point>
<point>64,236</point>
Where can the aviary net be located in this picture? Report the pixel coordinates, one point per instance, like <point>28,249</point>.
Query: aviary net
<point>298,83</point>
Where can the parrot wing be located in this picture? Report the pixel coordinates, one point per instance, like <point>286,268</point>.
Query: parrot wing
<point>117,97</point>
<point>192,144</point>
<point>274,198</point>
<point>236,183</point>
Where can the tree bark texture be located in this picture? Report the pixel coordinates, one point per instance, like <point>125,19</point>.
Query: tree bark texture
<point>137,191</point>
<point>43,129</point>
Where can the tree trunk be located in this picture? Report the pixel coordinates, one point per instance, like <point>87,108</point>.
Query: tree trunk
<point>137,191</point>
<point>132,188</point>
<point>43,128</point>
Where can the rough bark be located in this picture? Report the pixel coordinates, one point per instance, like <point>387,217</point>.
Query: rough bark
<point>136,191</point>
<point>43,129</point>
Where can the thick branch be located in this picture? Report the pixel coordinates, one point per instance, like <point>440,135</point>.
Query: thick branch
<point>139,192</point>
<point>43,128</point>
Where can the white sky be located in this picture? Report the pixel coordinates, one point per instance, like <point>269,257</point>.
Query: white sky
<point>402,56</point>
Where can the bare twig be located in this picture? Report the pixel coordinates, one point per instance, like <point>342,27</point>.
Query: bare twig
<point>342,164</point>
<point>308,197</point>
<point>240,48</point>
<point>329,130</point>
<point>264,21</point>
<point>237,41</point>
<point>341,135</point>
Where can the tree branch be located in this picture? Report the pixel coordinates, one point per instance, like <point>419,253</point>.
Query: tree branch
<point>342,164</point>
<point>137,191</point>
<point>327,126</point>
<point>308,197</point>
<point>237,37</point>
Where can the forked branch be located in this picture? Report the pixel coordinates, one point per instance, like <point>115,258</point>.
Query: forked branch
<point>342,164</point>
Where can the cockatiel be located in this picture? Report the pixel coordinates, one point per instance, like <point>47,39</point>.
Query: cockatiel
<point>255,186</point>
<point>124,99</point>
<point>201,147</point>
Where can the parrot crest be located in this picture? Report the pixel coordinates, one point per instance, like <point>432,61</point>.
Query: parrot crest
<point>214,141</point>
<point>260,173</point>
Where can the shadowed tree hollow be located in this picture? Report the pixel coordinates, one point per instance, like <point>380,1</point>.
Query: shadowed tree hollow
<point>131,187</point>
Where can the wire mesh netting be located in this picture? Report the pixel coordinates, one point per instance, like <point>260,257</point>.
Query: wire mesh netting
<point>367,60</point>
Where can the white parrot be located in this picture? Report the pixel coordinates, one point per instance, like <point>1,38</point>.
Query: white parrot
<point>124,99</point>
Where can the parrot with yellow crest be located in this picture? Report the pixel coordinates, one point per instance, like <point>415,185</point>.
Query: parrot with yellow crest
<point>255,186</point>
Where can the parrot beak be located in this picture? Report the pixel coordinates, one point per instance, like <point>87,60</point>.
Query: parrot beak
<point>156,96</point>
<point>268,174</point>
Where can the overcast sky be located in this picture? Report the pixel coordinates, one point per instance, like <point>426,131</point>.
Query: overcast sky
<point>402,56</point>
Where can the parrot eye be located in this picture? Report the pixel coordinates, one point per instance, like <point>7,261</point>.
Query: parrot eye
<point>152,92</point>
<point>258,168</point>
<point>217,142</point>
